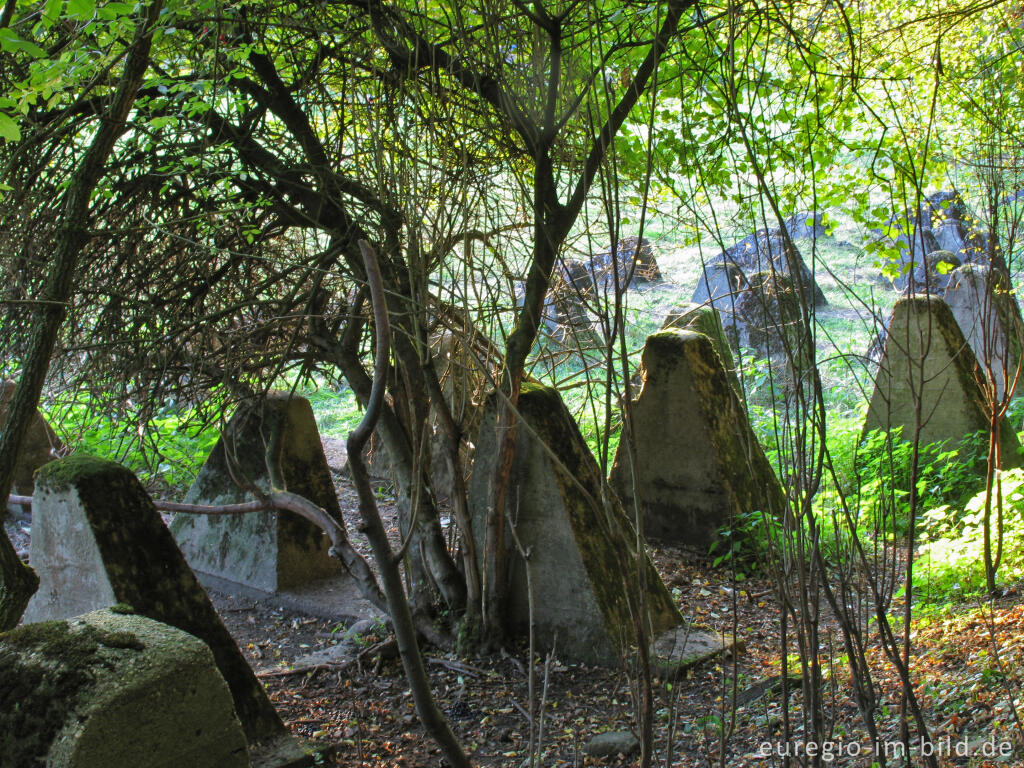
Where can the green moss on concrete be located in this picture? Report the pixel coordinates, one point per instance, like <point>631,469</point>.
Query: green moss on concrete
<point>123,639</point>
<point>600,529</point>
<point>663,352</point>
<point>66,473</point>
<point>43,669</point>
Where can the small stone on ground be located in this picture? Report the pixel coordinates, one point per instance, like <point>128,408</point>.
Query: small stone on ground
<point>612,743</point>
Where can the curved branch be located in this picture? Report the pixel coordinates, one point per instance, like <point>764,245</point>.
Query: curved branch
<point>357,439</point>
<point>398,605</point>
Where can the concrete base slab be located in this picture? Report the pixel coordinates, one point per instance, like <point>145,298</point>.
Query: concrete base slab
<point>335,599</point>
<point>682,647</point>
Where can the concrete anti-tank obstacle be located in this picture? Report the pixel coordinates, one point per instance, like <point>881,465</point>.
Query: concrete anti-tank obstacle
<point>698,464</point>
<point>107,689</point>
<point>719,286</point>
<point>705,320</point>
<point>582,554</point>
<point>768,251</point>
<point>41,446</point>
<point>97,540</point>
<point>268,550</point>
<point>990,320</point>
<point>927,359</point>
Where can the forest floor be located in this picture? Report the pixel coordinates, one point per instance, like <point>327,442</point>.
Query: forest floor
<point>966,667</point>
<point>727,712</point>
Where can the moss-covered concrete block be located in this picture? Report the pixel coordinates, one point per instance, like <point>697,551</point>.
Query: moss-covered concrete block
<point>583,559</point>
<point>107,689</point>
<point>706,320</point>
<point>768,251</point>
<point>41,444</point>
<point>990,320</point>
<point>928,367</point>
<point>698,463</point>
<point>98,540</point>
<point>267,550</point>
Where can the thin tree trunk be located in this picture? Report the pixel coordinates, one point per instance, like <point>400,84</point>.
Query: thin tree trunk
<point>390,577</point>
<point>552,221</point>
<point>19,581</point>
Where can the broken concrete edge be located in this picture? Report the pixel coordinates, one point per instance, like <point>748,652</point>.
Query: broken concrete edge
<point>682,648</point>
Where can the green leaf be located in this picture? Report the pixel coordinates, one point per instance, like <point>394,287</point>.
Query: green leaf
<point>81,9</point>
<point>51,11</point>
<point>11,43</point>
<point>8,128</point>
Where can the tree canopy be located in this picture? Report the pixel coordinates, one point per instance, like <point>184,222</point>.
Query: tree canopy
<point>474,148</point>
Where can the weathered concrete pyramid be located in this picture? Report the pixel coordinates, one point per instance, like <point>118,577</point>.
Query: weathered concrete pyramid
<point>698,461</point>
<point>582,551</point>
<point>41,445</point>
<point>108,689</point>
<point>706,320</point>
<point>990,320</point>
<point>266,550</point>
<point>719,286</point>
<point>928,361</point>
<point>97,540</point>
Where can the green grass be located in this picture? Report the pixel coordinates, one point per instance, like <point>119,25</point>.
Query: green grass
<point>336,410</point>
<point>951,558</point>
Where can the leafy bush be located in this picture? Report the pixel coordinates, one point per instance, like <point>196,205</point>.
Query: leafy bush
<point>166,453</point>
<point>951,558</point>
<point>746,543</point>
<point>883,466</point>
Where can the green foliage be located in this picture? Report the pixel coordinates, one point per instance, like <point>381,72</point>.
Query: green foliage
<point>844,442</point>
<point>884,468</point>
<point>950,564</point>
<point>745,543</point>
<point>337,412</point>
<point>166,452</point>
